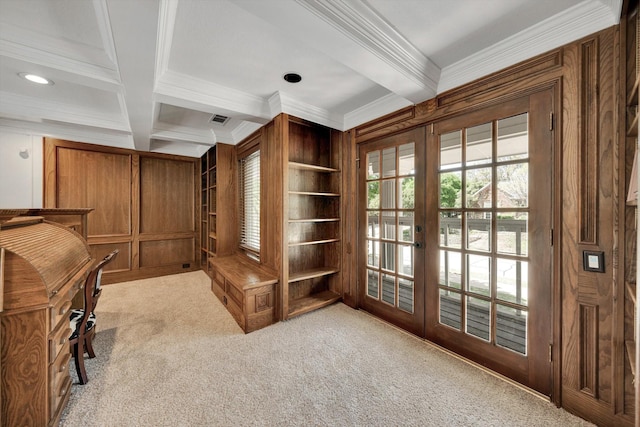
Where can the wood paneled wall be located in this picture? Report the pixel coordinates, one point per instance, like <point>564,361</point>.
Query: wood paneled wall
<point>591,373</point>
<point>144,205</point>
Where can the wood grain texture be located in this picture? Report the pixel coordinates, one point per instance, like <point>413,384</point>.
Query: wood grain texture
<point>91,179</point>
<point>166,196</point>
<point>44,268</point>
<point>226,216</point>
<point>131,193</point>
<point>24,369</point>
<point>165,252</point>
<point>247,289</point>
<point>589,142</point>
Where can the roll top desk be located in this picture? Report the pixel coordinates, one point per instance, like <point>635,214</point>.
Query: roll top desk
<point>43,265</point>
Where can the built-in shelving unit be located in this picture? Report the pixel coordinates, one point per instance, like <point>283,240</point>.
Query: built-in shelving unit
<point>312,231</point>
<point>217,230</point>
<point>631,30</point>
<point>204,212</point>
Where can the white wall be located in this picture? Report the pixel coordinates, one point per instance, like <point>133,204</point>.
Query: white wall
<point>21,169</point>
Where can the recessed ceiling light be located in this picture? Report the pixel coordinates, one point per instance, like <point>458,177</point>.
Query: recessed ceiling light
<point>36,78</point>
<point>292,77</point>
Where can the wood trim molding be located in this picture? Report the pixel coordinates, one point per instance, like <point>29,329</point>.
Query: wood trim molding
<point>538,65</point>
<point>589,349</point>
<point>386,121</point>
<point>589,147</point>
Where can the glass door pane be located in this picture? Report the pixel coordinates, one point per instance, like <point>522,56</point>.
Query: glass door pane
<point>483,217</point>
<point>391,184</point>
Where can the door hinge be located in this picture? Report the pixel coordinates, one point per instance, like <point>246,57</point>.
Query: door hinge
<point>551,120</point>
<point>551,237</point>
<point>431,129</point>
<point>358,163</point>
<point>550,352</point>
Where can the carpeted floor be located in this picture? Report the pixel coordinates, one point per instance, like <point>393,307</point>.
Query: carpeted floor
<point>169,354</point>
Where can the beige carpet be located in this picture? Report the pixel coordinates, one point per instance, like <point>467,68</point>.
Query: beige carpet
<point>169,354</point>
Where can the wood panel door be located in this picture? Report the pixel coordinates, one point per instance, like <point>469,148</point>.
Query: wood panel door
<point>489,225</point>
<point>391,229</point>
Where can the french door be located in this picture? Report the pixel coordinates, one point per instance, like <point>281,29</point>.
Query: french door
<point>466,263</point>
<point>391,192</point>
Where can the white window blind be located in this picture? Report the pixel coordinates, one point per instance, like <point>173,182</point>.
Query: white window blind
<point>250,202</point>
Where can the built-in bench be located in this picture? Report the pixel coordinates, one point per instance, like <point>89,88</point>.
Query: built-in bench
<point>247,289</point>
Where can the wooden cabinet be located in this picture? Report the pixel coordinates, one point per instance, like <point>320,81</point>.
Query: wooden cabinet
<point>44,265</point>
<point>144,204</point>
<point>218,195</point>
<point>312,211</point>
<point>246,289</point>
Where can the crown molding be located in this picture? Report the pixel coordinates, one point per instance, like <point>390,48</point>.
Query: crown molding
<point>168,132</point>
<point>365,26</point>
<point>242,131</point>
<point>69,132</point>
<point>178,148</point>
<point>615,6</point>
<point>75,58</point>
<point>23,106</point>
<point>280,102</point>
<point>373,110</point>
<point>166,27</point>
<point>201,93</point>
<point>572,24</point>
<point>104,28</point>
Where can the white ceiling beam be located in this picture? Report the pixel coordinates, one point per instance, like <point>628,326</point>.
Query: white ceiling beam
<point>357,36</point>
<point>135,32</point>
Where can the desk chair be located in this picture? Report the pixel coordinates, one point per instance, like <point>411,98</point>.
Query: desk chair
<point>83,321</point>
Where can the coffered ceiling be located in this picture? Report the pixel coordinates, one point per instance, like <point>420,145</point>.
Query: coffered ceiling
<point>151,74</point>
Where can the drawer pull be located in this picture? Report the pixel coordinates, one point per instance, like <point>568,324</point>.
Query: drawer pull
<point>66,390</point>
<point>63,341</point>
<point>65,308</point>
<point>63,367</point>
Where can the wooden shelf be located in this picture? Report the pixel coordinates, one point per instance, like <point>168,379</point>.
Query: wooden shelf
<point>308,167</point>
<point>314,242</point>
<point>630,346</point>
<point>311,274</point>
<point>312,302</point>
<point>313,193</point>
<point>314,220</point>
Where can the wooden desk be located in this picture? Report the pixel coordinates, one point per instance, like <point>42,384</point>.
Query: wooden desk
<point>246,289</point>
<point>43,266</point>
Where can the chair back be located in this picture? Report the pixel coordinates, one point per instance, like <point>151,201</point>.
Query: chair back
<point>92,290</point>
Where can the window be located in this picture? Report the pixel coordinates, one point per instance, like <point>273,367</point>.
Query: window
<point>249,208</point>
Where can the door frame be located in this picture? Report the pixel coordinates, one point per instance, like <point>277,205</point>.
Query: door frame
<point>555,122</point>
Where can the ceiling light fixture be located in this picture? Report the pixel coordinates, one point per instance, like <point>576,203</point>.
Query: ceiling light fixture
<point>292,77</point>
<point>36,78</point>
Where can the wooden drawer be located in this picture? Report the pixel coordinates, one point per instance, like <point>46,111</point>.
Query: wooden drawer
<point>235,294</point>
<point>61,303</point>
<point>59,381</point>
<point>59,339</point>
<point>236,312</point>
<point>217,287</point>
